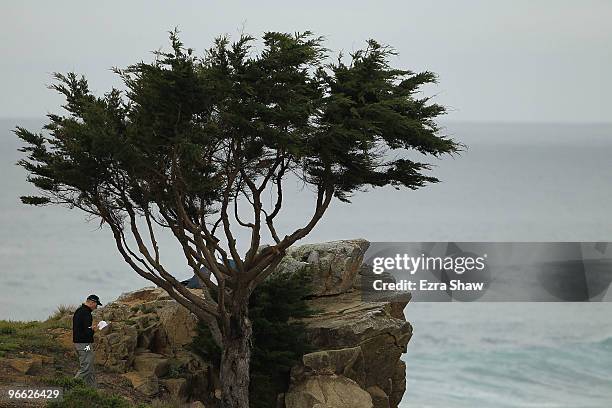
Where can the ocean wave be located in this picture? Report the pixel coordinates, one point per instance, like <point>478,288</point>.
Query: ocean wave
<point>605,343</point>
<point>554,375</point>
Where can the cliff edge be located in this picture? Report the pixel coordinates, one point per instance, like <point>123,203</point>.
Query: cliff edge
<point>359,344</point>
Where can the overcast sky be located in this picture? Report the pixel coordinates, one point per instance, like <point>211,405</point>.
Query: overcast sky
<point>535,61</point>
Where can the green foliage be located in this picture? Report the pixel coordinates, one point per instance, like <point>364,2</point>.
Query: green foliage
<point>7,346</point>
<point>78,396</point>
<point>7,327</point>
<point>174,370</point>
<point>146,308</point>
<point>65,382</point>
<point>204,345</point>
<point>28,336</point>
<point>63,310</point>
<point>183,119</point>
<point>278,339</point>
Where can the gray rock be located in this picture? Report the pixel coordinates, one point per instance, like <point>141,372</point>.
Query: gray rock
<point>332,266</point>
<point>346,321</point>
<point>327,391</point>
<point>347,362</point>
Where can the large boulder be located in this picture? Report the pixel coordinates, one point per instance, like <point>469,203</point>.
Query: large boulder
<point>147,383</point>
<point>146,341</point>
<point>332,266</point>
<point>152,363</point>
<point>177,388</point>
<point>347,362</point>
<point>344,322</point>
<point>327,391</point>
<point>357,340</point>
<point>146,319</point>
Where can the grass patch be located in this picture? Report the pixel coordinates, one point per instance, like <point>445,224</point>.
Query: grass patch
<point>62,311</point>
<point>77,394</point>
<point>82,396</point>
<point>29,336</point>
<point>57,324</point>
<point>171,402</point>
<point>6,347</point>
<point>64,381</point>
<point>7,328</point>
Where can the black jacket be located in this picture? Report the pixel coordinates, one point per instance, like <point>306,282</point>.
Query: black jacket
<point>81,325</point>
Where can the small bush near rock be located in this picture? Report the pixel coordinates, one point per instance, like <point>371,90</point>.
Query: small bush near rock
<point>204,346</point>
<point>65,382</point>
<point>278,340</point>
<point>62,311</point>
<point>83,396</point>
<point>175,370</point>
<point>144,308</point>
<point>7,327</point>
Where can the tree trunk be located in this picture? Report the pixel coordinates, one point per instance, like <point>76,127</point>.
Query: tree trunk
<point>235,361</point>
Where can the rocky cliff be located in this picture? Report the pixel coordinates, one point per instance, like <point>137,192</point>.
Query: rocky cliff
<point>357,362</point>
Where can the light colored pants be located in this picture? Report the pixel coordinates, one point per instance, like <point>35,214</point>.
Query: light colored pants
<point>85,352</point>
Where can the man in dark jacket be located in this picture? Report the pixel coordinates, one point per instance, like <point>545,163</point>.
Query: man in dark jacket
<point>82,336</point>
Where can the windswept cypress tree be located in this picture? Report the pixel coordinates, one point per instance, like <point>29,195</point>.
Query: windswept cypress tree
<point>192,138</point>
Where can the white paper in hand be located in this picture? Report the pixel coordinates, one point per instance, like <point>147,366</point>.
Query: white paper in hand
<point>102,324</point>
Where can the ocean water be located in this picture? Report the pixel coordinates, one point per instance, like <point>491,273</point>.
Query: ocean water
<point>515,182</point>
<point>545,355</point>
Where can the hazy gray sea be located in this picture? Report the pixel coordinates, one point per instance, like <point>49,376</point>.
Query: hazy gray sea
<point>516,182</point>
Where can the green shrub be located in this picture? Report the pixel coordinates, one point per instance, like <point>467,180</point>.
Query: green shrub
<point>27,336</point>
<point>64,381</point>
<point>147,308</point>
<point>175,370</point>
<point>7,327</point>
<point>82,396</point>
<point>278,340</point>
<point>204,345</point>
<point>77,394</point>
<point>62,311</point>
<point>57,323</point>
